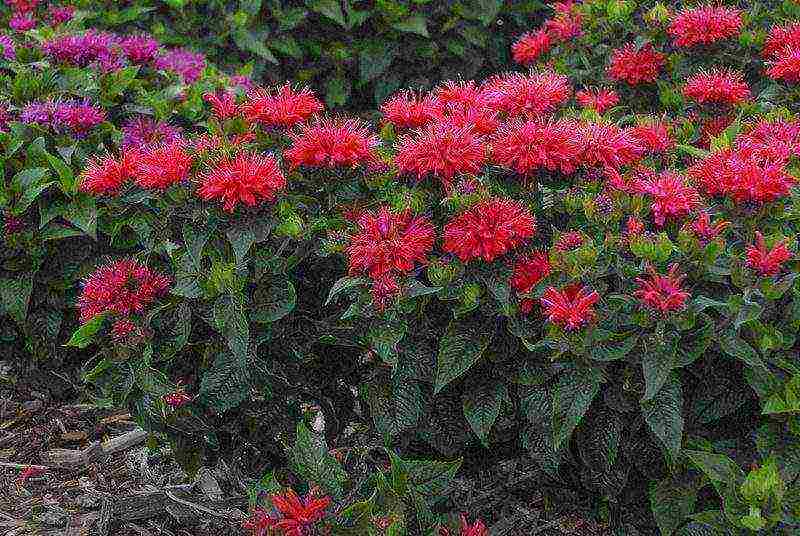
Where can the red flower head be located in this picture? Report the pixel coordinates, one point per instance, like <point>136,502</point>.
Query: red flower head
<point>785,66</point>
<point>704,25</point>
<point>569,241</point>
<point>481,121</point>
<point>712,127</point>
<point>662,293</point>
<point>441,149</point>
<point>564,26</point>
<point>742,177</point>
<point>122,288</point>
<point>634,226</point>
<point>530,46</point>
<point>260,523</point>
<point>721,86</point>
<point>530,95</point>
<point>705,230</point>
<point>105,175</point>
<point>780,39</point>
<point>29,472</point>
<point>283,107</point>
<point>406,110</point>
<point>177,399</point>
<point>767,262</point>
<point>298,513</point>
<point>223,104</point>
<point>384,288</point>
<point>636,66</point>
<point>774,141</point>
<point>608,146</point>
<point>473,529</point>
<point>526,146</point>
<point>489,229</point>
<point>571,307</point>
<point>529,270</point>
<point>160,166</point>
<point>653,135</point>
<point>462,94</point>
<point>332,143</point>
<point>598,99</point>
<point>122,329</point>
<point>387,242</point>
<point>249,179</point>
<point>673,199</point>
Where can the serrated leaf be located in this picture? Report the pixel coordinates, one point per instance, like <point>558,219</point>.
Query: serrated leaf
<point>195,240</point>
<point>311,459</point>
<point>273,301</point>
<point>337,91</point>
<point>230,316</point>
<point>671,503</point>
<point>481,407</point>
<point>720,470</point>
<point>572,396</point>
<point>84,335</point>
<point>15,295</point>
<point>82,213</point>
<point>331,9</point>
<point>461,347</point>
<point>609,352</point>
<point>241,241</point>
<point>658,360</point>
<point>430,478</point>
<point>375,58</point>
<point>395,405</point>
<point>342,284</point>
<point>226,384</point>
<point>731,344</point>
<point>663,414</point>
<point>246,41</point>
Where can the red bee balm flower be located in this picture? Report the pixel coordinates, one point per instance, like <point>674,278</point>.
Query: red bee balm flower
<point>530,46</point>
<point>160,166</point>
<point>704,25</point>
<point>653,136</point>
<point>569,241</point>
<point>530,95</point>
<point>441,149</point>
<point>662,293</point>
<point>248,179</point>
<point>673,199</point>
<point>785,66</point>
<point>705,230</point>
<point>260,523</point>
<point>608,146</point>
<point>726,87</point>
<point>298,514</point>
<point>529,270</point>
<point>406,110</point>
<point>489,229</point>
<point>105,175</point>
<point>780,39</point>
<point>388,242</point>
<point>636,66</point>
<point>597,99</point>
<point>767,262</point>
<point>223,104</point>
<point>283,107</point>
<point>123,288</point>
<point>531,145</point>
<point>742,177</point>
<point>570,308</point>
<point>332,143</point>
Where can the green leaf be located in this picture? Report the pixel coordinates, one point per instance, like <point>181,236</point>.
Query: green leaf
<point>230,317</point>
<point>481,408</point>
<point>15,295</point>
<point>311,459</point>
<point>82,213</point>
<point>720,470</point>
<point>461,347</point>
<point>731,344</point>
<point>273,301</point>
<point>671,503</point>
<point>287,45</point>
<point>289,19</point>
<point>606,352</point>
<point>414,24</point>
<point>251,7</point>
<point>657,362</point>
<point>663,413</point>
<point>337,92</point>
<point>241,241</point>
<point>84,335</point>
<point>430,478</point>
<point>572,396</point>
<point>226,384</point>
<point>395,405</point>
<point>488,10</point>
<point>28,196</point>
<point>342,284</point>
<point>246,41</point>
<point>65,175</point>
<point>375,58</point>
<point>328,8</point>
<point>195,242</point>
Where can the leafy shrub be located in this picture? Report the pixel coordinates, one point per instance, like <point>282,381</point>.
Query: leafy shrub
<point>605,284</point>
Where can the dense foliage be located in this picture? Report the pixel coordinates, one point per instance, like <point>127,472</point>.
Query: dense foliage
<point>588,260</point>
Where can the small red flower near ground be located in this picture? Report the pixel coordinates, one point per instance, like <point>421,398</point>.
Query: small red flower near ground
<point>332,143</point>
<point>527,49</point>
<point>488,229</point>
<point>468,529</point>
<point>767,261</point>
<point>529,270</point>
<point>105,175</point>
<point>597,99</point>
<point>571,307</point>
<point>441,149</point>
<point>704,25</point>
<point>160,166</point>
<point>673,199</point>
<point>662,293</point>
<point>536,144</point>
<point>705,230</point>
<point>387,242</point>
<point>407,110</point>
<point>717,86</point>
<point>636,66</point>
<point>531,95</point>
<point>123,288</point>
<point>177,399</point>
<point>260,523</point>
<point>29,472</point>
<point>283,107</point>
<point>298,513</point>
<point>248,179</point>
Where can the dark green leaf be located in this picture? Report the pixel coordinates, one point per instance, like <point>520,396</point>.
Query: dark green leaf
<point>609,352</point>
<point>481,408</point>
<point>343,283</point>
<point>663,413</point>
<point>226,384</point>
<point>671,503</point>
<point>273,300</point>
<point>84,335</point>
<point>657,362</point>
<point>375,58</point>
<point>337,92</point>
<point>311,459</point>
<point>414,24</point>
<point>15,294</point>
<point>461,347</point>
<point>328,8</point>
<point>572,396</point>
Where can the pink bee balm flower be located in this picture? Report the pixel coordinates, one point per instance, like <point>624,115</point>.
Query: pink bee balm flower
<point>767,261</point>
<point>717,86</point>
<point>662,293</point>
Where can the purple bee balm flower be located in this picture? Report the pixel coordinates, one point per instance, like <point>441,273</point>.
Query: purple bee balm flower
<point>22,22</point>
<point>139,49</point>
<point>189,65</point>
<point>243,82</point>
<point>7,49</point>
<point>37,112</point>
<point>76,117</point>
<point>142,131</point>
<point>82,49</point>
<point>60,14</point>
